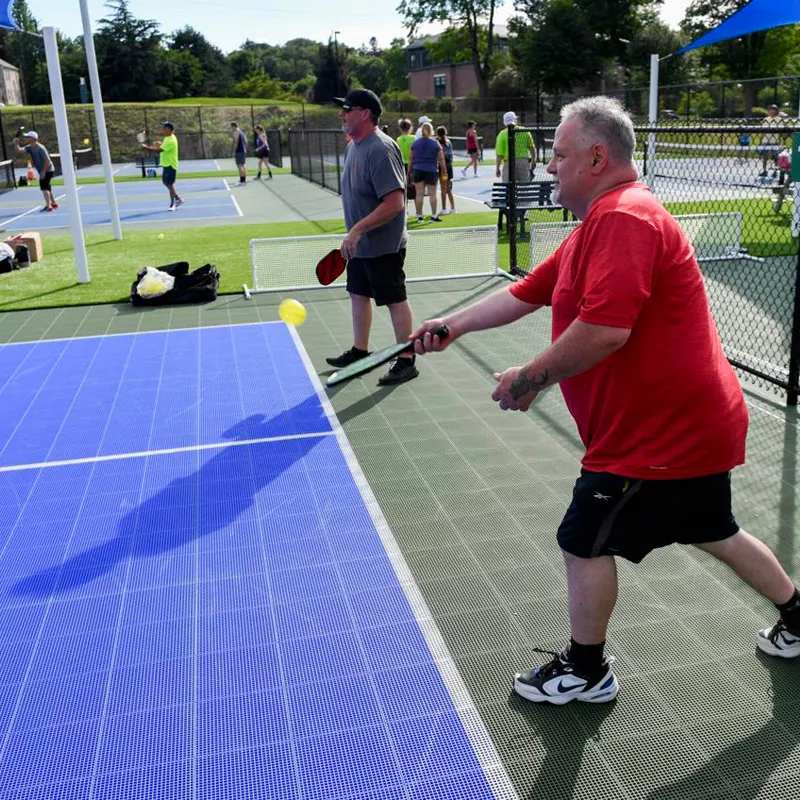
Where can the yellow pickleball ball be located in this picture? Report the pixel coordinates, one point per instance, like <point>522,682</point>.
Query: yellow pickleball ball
<point>160,235</point>
<point>86,141</point>
<point>292,312</point>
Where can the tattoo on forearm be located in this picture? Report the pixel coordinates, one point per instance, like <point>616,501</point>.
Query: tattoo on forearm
<point>528,383</point>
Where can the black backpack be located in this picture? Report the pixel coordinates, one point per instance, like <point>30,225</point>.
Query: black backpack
<point>199,286</point>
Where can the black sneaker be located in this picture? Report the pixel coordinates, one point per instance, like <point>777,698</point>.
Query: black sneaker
<point>558,682</point>
<point>779,641</point>
<point>402,370</point>
<point>348,357</point>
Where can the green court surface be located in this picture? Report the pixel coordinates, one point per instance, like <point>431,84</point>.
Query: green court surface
<point>473,496</point>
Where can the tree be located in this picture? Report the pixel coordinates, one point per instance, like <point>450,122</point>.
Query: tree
<point>368,71</point>
<point>216,77</point>
<point>331,81</point>
<point>656,37</point>
<point>468,15</point>
<point>395,59</point>
<point>558,50</point>
<point>27,53</point>
<point>130,57</point>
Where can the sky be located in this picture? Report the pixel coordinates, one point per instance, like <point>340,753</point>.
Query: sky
<point>269,21</point>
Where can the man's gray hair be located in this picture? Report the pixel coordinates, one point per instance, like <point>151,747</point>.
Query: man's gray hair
<point>606,119</point>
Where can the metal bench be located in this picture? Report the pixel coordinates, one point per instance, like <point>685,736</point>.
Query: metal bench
<point>147,163</point>
<point>530,195</point>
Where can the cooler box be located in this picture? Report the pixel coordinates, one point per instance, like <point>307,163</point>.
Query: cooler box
<point>32,240</point>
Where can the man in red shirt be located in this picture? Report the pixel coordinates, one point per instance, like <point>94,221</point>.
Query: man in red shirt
<point>658,407</point>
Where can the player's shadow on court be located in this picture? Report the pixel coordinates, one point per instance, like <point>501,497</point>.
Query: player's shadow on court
<point>195,505</point>
<point>553,740</point>
<point>767,754</point>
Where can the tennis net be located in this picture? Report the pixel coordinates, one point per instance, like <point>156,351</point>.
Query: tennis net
<point>715,236</point>
<point>288,263</point>
<point>7,176</point>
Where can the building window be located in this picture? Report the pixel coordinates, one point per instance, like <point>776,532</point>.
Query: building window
<point>439,86</point>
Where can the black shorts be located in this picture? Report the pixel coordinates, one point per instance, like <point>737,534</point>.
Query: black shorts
<point>382,278</point>
<point>45,181</point>
<point>449,168</point>
<point>612,515</point>
<point>472,150</point>
<point>168,175</point>
<point>263,152</point>
<point>424,176</point>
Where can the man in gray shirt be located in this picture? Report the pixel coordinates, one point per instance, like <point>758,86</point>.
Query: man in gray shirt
<point>373,196</point>
<point>41,161</point>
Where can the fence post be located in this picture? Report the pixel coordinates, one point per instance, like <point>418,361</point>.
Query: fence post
<point>338,171</point>
<point>3,137</point>
<point>146,126</point>
<point>511,220</point>
<point>91,127</point>
<point>202,135</point>
<point>794,353</point>
<point>253,116</point>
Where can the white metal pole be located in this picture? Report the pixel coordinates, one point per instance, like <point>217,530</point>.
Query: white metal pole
<point>653,118</point>
<point>100,119</point>
<point>65,148</point>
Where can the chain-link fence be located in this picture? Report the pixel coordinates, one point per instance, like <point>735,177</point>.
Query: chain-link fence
<point>318,156</point>
<point>203,131</point>
<point>733,192</point>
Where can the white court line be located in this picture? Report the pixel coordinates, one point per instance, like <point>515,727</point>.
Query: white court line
<point>482,745</point>
<point>226,185</point>
<point>236,205</point>
<point>216,164</point>
<point>70,462</point>
<point>141,333</point>
<point>35,208</point>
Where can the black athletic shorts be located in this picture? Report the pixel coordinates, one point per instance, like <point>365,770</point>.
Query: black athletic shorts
<point>424,176</point>
<point>612,515</point>
<point>45,180</point>
<point>449,168</point>
<point>382,278</point>
<point>168,175</point>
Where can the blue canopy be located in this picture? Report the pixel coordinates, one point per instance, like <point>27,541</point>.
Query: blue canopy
<point>758,15</point>
<point>6,20</point>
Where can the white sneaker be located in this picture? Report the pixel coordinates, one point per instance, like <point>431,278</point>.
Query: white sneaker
<point>779,641</point>
<point>464,172</point>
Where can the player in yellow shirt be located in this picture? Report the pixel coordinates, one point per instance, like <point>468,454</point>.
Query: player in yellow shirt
<point>168,161</point>
<point>525,151</point>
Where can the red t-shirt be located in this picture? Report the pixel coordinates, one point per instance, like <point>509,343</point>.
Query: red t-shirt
<point>667,404</point>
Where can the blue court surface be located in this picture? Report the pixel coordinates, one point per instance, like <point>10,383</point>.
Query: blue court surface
<point>145,202</point>
<point>199,596</point>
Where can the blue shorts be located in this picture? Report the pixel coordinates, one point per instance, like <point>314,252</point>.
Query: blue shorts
<point>240,158</point>
<point>168,175</point>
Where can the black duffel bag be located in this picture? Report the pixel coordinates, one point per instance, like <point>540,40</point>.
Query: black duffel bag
<point>199,286</point>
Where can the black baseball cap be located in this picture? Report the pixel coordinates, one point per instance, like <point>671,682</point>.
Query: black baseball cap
<point>361,98</point>
<point>167,124</point>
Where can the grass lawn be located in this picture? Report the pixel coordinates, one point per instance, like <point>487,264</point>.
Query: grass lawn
<point>764,233</point>
<point>113,264</point>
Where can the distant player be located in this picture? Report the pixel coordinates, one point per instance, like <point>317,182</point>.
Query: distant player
<point>40,159</point>
<point>262,151</point>
<point>168,161</point>
<point>239,151</point>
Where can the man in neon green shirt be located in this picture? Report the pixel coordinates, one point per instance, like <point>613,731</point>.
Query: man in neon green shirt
<point>525,152</point>
<point>168,161</point>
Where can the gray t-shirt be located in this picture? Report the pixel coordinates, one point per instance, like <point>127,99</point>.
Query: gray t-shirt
<point>373,168</point>
<point>39,157</point>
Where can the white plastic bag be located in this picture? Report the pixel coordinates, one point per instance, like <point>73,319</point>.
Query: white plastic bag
<point>154,283</point>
